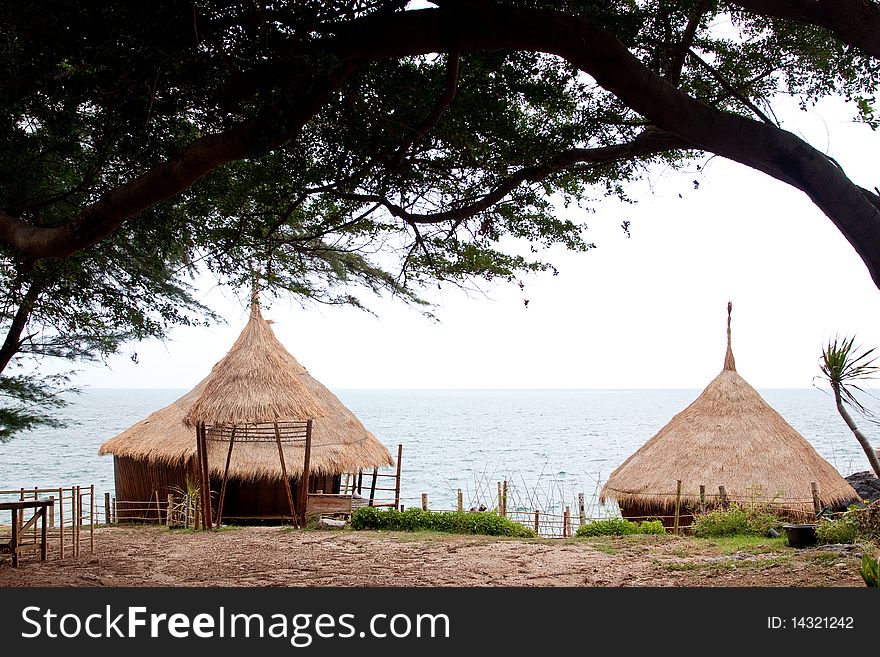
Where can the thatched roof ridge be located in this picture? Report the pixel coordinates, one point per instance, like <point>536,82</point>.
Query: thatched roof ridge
<point>728,436</point>
<point>255,382</point>
<point>340,442</point>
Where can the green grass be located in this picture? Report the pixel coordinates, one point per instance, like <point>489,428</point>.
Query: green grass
<point>452,522</point>
<point>747,543</point>
<point>828,558</point>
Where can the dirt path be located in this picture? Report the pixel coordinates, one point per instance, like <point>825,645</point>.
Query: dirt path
<point>273,556</point>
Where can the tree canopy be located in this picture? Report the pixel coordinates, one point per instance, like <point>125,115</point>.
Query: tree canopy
<point>371,143</point>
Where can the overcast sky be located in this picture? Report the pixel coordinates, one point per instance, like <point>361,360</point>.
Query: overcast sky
<point>647,311</point>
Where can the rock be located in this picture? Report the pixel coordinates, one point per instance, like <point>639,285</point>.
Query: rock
<point>772,533</point>
<point>866,485</point>
<point>837,548</point>
<point>329,523</point>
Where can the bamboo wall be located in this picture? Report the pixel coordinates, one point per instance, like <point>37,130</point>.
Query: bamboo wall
<point>139,480</point>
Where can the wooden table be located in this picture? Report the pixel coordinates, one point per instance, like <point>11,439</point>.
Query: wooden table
<point>15,507</point>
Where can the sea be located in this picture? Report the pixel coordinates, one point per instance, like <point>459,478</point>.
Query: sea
<point>548,445</point>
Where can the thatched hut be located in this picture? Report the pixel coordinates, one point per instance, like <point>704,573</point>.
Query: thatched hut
<point>729,436</point>
<point>257,382</point>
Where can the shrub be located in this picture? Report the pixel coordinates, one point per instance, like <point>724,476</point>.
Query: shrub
<point>721,523</point>
<point>652,527</point>
<point>753,519</point>
<point>867,521</point>
<point>843,530</point>
<point>857,524</point>
<point>870,570</point>
<point>366,517</point>
<point>451,522</point>
<point>608,527</point>
<point>619,527</point>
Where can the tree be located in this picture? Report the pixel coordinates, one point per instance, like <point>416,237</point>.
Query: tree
<point>843,367</point>
<point>367,142</point>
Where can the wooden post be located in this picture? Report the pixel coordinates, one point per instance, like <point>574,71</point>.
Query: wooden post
<point>304,478</point>
<point>225,477</point>
<point>205,493</point>
<point>537,522</point>
<point>500,508</point>
<point>77,520</point>
<point>722,493</point>
<point>460,501</point>
<point>201,465</point>
<point>307,462</point>
<point>52,512</point>
<point>397,478</point>
<point>114,510</point>
<point>43,544</point>
<point>360,480</point>
<point>19,515</point>
<point>92,517</point>
<point>504,499</point>
<point>107,517</point>
<point>14,544</point>
<point>73,521</point>
<point>566,522</point>
<point>168,510</point>
<point>817,504</point>
<point>158,507</point>
<point>677,506</point>
<point>36,497</point>
<point>702,498</point>
<point>61,522</point>
<point>373,486</point>
<point>424,501</point>
<point>582,516</point>
<point>197,512</point>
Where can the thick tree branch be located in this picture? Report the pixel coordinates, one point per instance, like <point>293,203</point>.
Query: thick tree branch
<point>599,53</point>
<point>469,26</point>
<point>163,181</point>
<point>12,343</point>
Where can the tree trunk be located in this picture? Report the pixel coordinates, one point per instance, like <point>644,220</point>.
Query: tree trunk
<point>12,343</point>
<point>863,440</point>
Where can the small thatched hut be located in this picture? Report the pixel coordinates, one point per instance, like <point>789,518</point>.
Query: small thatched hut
<point>729,436</point>
<point>257,381</point>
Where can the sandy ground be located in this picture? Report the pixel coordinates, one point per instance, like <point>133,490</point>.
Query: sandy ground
<point>274,556</point>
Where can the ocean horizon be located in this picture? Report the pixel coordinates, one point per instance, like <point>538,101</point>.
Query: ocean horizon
<point>550,444</point>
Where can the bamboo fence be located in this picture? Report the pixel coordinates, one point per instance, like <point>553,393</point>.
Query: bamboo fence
<point>71,518</point>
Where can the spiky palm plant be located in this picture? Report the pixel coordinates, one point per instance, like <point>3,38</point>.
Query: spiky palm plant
<point>843,367</point>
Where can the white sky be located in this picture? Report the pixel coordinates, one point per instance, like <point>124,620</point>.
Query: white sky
<point>643,312</point>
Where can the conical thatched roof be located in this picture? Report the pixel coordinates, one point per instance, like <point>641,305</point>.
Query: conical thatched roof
<point>729,436</point>
<point>340,443</point>
<point>257,381</point>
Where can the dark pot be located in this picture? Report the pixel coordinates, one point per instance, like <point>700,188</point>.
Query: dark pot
<point>800,536</point>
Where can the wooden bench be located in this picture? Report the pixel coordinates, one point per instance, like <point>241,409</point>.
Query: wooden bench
<point>15,545</point>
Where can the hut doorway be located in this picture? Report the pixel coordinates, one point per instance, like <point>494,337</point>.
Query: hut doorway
<point>265,499</point>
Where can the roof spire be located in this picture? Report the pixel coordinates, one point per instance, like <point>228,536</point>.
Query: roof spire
<point>729,362</point>
<point>255,292</point>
